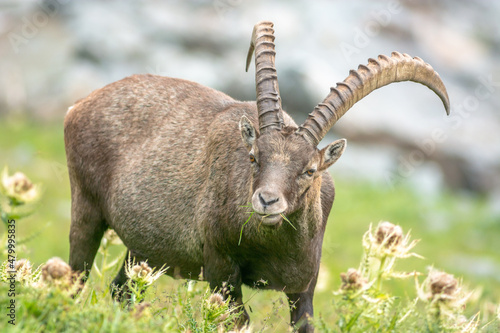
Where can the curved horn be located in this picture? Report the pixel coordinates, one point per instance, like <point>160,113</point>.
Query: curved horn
<point>266,78</point>
<point>378,73</point>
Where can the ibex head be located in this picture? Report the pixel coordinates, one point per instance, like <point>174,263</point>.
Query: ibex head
<point>285,160</point>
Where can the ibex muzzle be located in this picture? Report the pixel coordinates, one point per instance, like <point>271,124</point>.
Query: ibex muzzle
<point>174,168</point>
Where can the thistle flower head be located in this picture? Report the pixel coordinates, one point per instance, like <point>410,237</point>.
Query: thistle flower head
<point>443,289</point>
<point>446,300</point>
<point>352,280</point>
<point>389,235</point>
<point>442,284</point>
<point>57,272</point>
<point>110,238</point>
<point>216,309</point>
<point>23,270</point>
<point>388,240</point>
<point>142,273</point>
<point>215,300</point>
<point>18,188</point>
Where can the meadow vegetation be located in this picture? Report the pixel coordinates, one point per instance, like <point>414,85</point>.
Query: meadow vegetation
<point>378,280</point>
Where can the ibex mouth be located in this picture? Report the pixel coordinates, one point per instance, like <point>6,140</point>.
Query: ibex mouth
<point>270,219</point>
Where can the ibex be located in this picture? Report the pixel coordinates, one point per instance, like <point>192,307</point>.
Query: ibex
<point>174,167</point>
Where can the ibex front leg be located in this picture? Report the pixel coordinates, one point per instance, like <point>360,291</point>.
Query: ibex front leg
<point>224,277</point>
<point>301,309</point>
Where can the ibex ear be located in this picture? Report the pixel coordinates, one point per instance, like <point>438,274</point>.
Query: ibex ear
<point>248,132</point>
<point>331,153</point>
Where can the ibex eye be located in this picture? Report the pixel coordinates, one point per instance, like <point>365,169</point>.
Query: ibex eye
<point>252,158</point>
<point>310,172</point>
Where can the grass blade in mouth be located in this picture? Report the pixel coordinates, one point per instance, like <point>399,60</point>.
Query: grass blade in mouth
<point>251,214</point>
<point>286,219</point>
<point>241,231</point>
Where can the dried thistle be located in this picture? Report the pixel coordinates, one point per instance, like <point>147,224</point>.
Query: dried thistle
<point>23,269</point>
<point>57,272</point>
<point>110,238</point>
<point>442,285</point>
<point>215,300</point>
<point>445,297</point>
<point>388,234</point>
<point>216,308</point>
<point>352,280</point>
<point>142,273</point>
<point>55,269</point>
<point>18,188</point>
<point>388,241</point>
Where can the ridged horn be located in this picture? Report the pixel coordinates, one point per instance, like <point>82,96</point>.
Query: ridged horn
<point>266,78</point>
<point>378,73</point>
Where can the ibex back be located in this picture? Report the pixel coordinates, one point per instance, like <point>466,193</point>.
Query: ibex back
<point>174,168</point>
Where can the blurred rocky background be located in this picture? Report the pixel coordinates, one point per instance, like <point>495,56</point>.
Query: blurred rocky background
<point>55,52</point>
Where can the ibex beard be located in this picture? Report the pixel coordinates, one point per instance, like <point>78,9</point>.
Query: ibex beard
<point>175,168</point>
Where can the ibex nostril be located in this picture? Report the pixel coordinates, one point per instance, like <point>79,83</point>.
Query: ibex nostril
<point>262,201</point>
<point>273,201</point>
<point>265,202</point>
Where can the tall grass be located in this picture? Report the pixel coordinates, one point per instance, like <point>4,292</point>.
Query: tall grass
<point>459,235</point>
<point>47,298</point>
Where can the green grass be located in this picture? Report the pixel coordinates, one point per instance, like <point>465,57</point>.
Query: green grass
<point>42,306</point>
<point>459,234</point>
<point>452,229</point>
<point>38,151</point>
